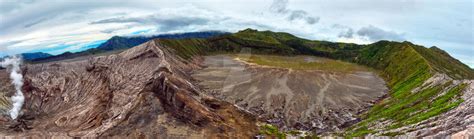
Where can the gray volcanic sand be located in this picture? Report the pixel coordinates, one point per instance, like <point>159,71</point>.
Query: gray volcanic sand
<point>302,99</point>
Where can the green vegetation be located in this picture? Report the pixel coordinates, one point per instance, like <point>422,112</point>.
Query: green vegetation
<point>267,42</point>
<point>360,131</point>
<point>437,106</point>
<point>294,132</point>
<point>5,103</point>
<point>398,62</point>
<point>442,62</point>
<point>263,37</point>
<point>187,48</point>
<point>302,63</point>
<point>272,131</point>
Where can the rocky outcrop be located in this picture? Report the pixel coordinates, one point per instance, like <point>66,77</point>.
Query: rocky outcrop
<point>457,123</point>
<point>142,92</point>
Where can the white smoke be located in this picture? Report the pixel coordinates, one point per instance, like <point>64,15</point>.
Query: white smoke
<point>17,80</point>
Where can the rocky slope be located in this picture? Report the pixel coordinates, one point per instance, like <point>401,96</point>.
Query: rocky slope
<point>457,123</point>
<point>450,113</point>
<point>142,92</point>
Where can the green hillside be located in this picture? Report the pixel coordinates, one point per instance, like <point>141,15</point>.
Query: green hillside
<point>442,62</point>
<point>281,43</point>
<point>187,48</point>
<point>406,66</point>
<point>403,65</point>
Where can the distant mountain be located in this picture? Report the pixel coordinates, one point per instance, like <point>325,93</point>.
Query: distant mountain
<point>120,43</point>
<point>31,56</point>
<point>36,55</point>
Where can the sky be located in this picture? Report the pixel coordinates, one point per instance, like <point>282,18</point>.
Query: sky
<point>57,26</point>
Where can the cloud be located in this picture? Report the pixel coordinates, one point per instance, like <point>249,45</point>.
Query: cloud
<point>11,6</point>
<point>165,23</point>
<point>300,14</point>
<point>348,33</point>
<point>375,34</point>
<point>36,22</point>
<point>281,7</point>
<point>366,34</point>
<point>74,27</point>
<point>344,31</point>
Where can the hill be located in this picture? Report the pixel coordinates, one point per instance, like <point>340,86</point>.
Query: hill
<point>32,56</point>
<point>117,42</point>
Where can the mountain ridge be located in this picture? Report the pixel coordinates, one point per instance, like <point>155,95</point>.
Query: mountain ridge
<point>35,55</point>
<point>120,43</point>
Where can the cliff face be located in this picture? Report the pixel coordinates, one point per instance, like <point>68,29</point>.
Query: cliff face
<point>143,91</point>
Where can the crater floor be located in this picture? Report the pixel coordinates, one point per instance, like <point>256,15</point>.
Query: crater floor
<point>310,99</point>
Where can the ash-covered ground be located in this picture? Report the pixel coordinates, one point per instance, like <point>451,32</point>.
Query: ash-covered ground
<point>293,99</point>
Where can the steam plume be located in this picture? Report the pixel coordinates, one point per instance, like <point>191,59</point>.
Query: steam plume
<point>17,80</point>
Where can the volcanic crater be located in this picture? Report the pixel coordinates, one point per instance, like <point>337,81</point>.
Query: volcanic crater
<point>305,97</point>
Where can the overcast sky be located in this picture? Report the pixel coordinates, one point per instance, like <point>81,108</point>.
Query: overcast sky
<point>74,25</point>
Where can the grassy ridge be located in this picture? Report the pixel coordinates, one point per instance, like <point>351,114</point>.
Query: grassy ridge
<point>442,62</point>
<point>187,48</point>
<point>409,109</point>
<point>267,42</point>
<point>399,63</point>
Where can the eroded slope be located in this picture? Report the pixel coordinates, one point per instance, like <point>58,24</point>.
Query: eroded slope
<point>142,92</point>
